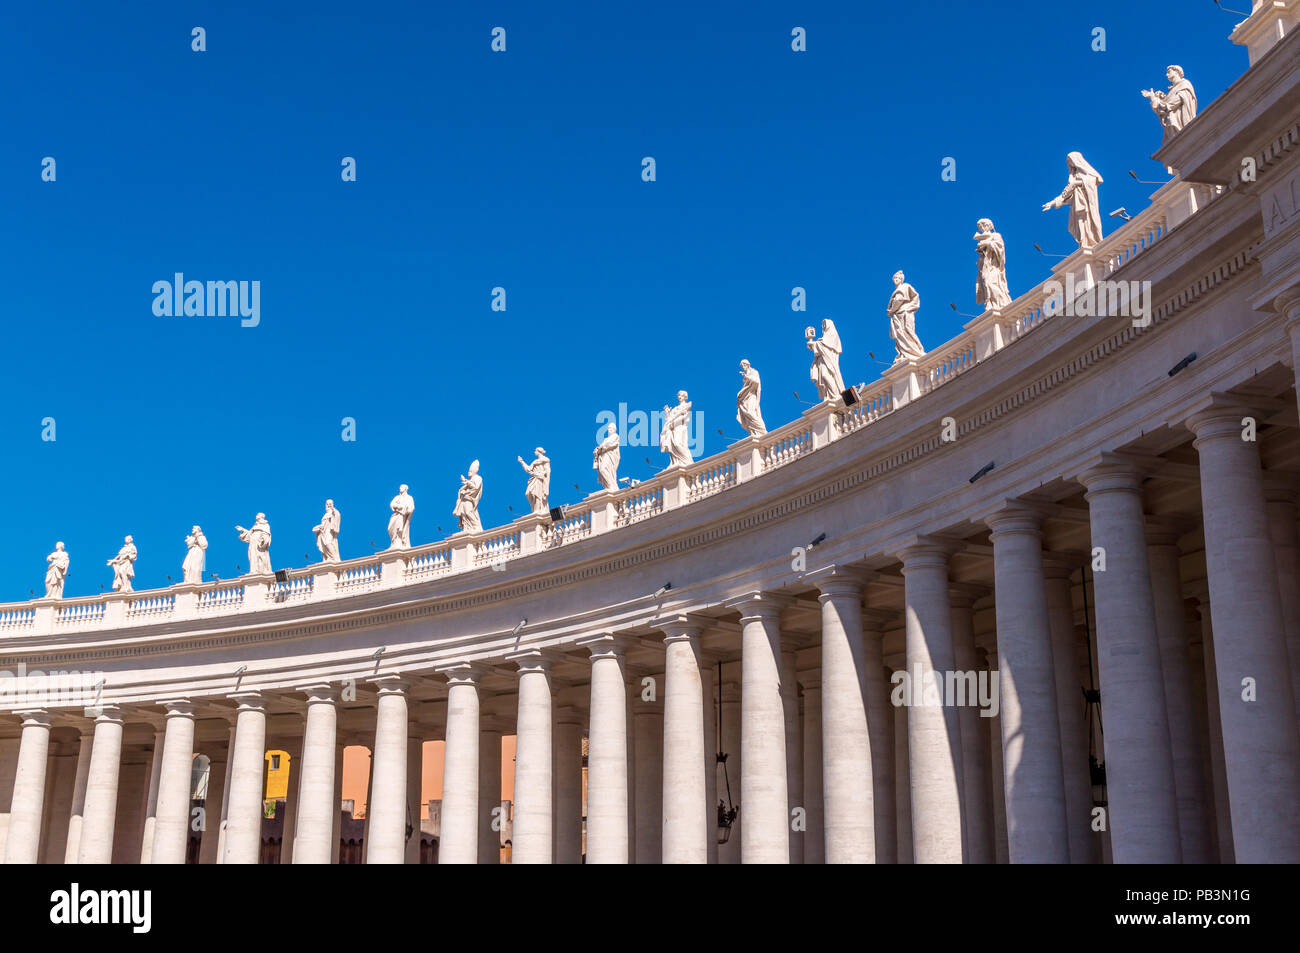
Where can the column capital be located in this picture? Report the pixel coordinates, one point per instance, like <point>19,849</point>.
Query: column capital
<point>838,580</point>
<point>533,660</point>
<point>35,717</point>
<point>392,684</point>
<point>1288,304</point>
<point>319,693</point>
<point>926,552</point>
<point>1278,488</point>
<point>1109,472</point>
<point>491,723</point>
<point>874,620</point>
<point>684,626</point>
<point>109,715</point>
<point>757,604</point>
<point>178,708</point>
<point>249,701</point>
<point>569,715</point>
<point>1219,416</point>
<point>1060,565</point>
<point>1016,517</point>
<point>811,680</point>
<point>463,673</point>
<point>896,662</point>
<point>606,645</point>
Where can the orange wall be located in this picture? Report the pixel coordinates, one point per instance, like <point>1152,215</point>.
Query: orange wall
<point>356,772</point>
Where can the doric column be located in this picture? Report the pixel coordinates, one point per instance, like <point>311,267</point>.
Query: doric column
<point>648,727</point>
<point>793,748</point>
<point>414,788</point>
<point>247,793</point>
<point>128,825</point>
<point>317,807</point>
<point>976,787</point>
<point>880,729</point>
<point>151,800</point>
<point>1069,704</point>
<point>1184,738</point>
<point>60,783</point>
<point>336,841</point>
<point>568,786</point>
<point>489,791</point>
<point>1031,741</point>
<point>1214,734</point>
<point>458,840</point>
<point>1261,742</point>
<point>987,644</point>
<point>902,773</point>
<point>23,843</point>
<point>607,790</point>
<point>73,848</point>
<point>814,799</point>
<point>849,802</point>
<point>711,686</point>
<point>1142,810</point>
<point>223,819</point>
<point>1280,499</point>
<point>292,798</point>
<point>386,809</point>
<point>171,835</point>
<point>933,731</point>
<point>687,826</point>
<point>764,795</point>
<point>101,789</point>
<point>214,805</point>
<point>533,832</point>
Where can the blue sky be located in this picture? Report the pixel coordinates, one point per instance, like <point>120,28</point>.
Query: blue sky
<point>477,169</point>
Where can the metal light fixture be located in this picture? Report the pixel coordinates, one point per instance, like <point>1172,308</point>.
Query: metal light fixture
<point>728,811</point>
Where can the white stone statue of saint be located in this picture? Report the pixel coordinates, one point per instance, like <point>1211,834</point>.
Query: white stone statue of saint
<point>904,302</point>
<point>1177,107</point>
<point>259,545</point>
<point>399,524</point>
<point>1080,193</point>
<point>467,499</point>
<point>57,573</point>
<point>748,412</point>
<point>674,437</point>
<point>124,566</point>
<point>825,370</point>
<point>538,490</point>
<point>991,276</point>
<point>605,458</point>
<point>327,533</point>
<point>195,545</point>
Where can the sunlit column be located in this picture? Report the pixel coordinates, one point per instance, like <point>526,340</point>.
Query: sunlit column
<point>686,810</point>
<point>533,824</point>
<point>100,820</point>
<point>317,807</point>
<point>172,822</point>
<point>247,793</point>
<point>977,789</point>
<point>607,772</point>
<point>75,821</point>
<point>27,808</point>
<point>386,809</point>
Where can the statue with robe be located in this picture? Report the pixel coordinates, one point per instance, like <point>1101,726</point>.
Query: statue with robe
<point>674,438</point>
<point>399,524</point>
<point>124,566</point>
<point>467,499</point>
<point>1080,193</point>
<point>605,458</point>
<point>825,370</point>
<point>57,573</point>
<point>991,276</point>
<point>195,544</point>
<point>259,545</point>
<point>1176,107</point>
<point>538,490</point>
<point>748,413</point>
<point>904,302</point>
<point>327,533</point>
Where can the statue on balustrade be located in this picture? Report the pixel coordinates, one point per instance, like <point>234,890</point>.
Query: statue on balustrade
<point>399,524</point>
<point>991,277</point>
<point>1080,193</point>
<point>674,438</point>
<point>605,458</point>
<point>748,413</point>
<point>327,533</point>
<point>1177,107</point>
<point>904,302</point>
<point>259,545</point>
<point>471,491</point>
<point>825,370</point>
<point>538,490</point>
<point>57,573</point>
<point>124,566</point>
<point>195,544</point>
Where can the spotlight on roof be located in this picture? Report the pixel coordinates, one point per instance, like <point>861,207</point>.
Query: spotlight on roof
<point>982,470</point>
<point>1182,364</point>
<point>515,630</point>
<point>1047,254</point>
<point>953,305</point>
<point>1122,212</point>
<point>662,589</point>
<point>557,513</point>
<point>821,538</point>
<point>1145,181</point>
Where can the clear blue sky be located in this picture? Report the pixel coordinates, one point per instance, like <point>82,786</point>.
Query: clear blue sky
<point>479,169</point>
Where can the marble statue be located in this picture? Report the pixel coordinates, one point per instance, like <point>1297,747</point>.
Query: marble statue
<point>471,491</point>
<point>259,545</point>
<point>327,533</point>
<point>604,459</point>
<point>57,574</point>
<point>124,566</point>
<point>538,490</point>
<point>902,308</point>
<point>991,277</point>
<point>1080,193</point>
<point>1177,107</point>
<point>748,413</point>
<point>399,524</point>
<point>674,438</point>
<point>195,544</point>
<point>825,371</point>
